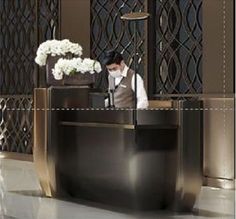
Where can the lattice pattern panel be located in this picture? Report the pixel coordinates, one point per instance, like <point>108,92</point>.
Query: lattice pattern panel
<point>49,15</point>
<point>24,24</point>
<point>48,28</point>
<point>17,46</point>
<point>178,67</point>
<point>16,124</point>
<point>108,31</point>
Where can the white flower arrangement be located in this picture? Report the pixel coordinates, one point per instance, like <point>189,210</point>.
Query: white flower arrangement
<point>71,66</point>
<point>56,47</point>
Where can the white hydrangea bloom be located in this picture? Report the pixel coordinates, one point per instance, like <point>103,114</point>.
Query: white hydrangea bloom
<point>97,66</point>
<point>67,66</point>
<point>56,47</point>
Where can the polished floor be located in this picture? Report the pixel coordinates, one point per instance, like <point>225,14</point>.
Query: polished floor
<point>20,198</point>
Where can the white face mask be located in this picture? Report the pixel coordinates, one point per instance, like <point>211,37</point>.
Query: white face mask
<point>115,74</point>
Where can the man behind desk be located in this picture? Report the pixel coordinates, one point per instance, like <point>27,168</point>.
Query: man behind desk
<point>124,79</point>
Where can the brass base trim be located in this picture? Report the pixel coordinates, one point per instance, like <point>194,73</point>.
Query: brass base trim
<point>16,156</point>
<point>219,183</point>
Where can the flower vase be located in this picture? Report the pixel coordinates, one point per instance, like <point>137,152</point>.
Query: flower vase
<point>79,79</point>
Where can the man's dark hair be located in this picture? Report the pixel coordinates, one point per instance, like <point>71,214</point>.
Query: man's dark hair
<point>112,57</point>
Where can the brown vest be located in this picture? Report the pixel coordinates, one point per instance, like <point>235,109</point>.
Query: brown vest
<point>124,95</point>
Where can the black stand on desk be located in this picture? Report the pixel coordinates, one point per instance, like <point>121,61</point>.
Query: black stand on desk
<point>111,90</point>
<point>135,17</point>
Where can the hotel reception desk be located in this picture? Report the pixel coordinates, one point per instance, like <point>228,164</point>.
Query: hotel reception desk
<point>103,156</point>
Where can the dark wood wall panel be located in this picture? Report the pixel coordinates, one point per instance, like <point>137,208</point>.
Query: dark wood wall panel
<point>218,44</point>
<point>75,23</point>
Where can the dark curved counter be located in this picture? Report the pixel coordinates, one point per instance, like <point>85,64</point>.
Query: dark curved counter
<point>104,156</point>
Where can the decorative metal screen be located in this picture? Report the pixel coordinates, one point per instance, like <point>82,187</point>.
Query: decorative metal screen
<point>48,28</point>
<point>49,16</point>
<point>16,124</point>
<point>24,24</point>
<point>178,47</point>
<point>108,31</point>
<point>17,46</point>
